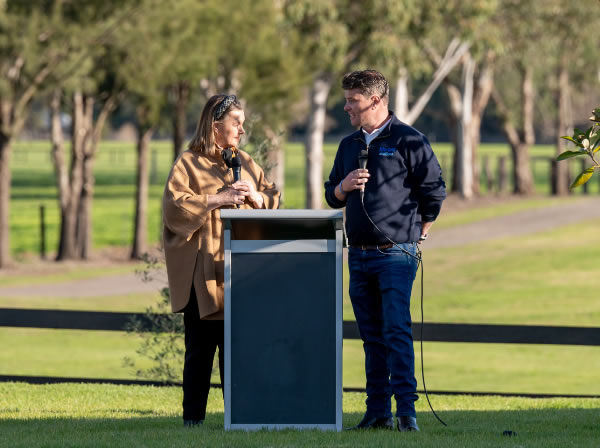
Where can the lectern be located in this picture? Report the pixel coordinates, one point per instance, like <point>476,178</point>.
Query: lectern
<point>283,319</point>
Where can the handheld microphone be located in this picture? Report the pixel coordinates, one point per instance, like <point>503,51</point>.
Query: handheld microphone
<point>363,157</point>
<point>236,166</point>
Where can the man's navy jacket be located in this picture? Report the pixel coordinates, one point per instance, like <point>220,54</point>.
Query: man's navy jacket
<point>405,187</point>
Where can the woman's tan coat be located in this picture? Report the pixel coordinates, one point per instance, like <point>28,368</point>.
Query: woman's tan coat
<point>193,236</point>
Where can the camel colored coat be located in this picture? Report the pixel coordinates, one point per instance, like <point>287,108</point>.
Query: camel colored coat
<point>193,235</point>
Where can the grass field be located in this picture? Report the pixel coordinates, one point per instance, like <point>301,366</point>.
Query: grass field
<point>549,278</point>
<point>33,185</point>
<point>545,279</point>
<point>77,415</point>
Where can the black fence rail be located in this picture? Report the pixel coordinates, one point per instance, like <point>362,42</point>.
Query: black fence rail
<point>434,332</point>
<point>129,382</point>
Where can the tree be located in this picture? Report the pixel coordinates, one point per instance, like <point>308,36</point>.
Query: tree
<point>588,144</point>
<point>199,31</point>
<point>404,33</point>
<point>333,36</point>
<point>520,58</point>
<point>92,93</point>
<point>149,42</point>
<point>36,49</point>
<point>464,26</point>
<point>572,47</point>
<point>264,65</point>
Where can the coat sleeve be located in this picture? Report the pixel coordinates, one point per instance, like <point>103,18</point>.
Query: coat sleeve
<point>335,177</point>
<point>184,211</point>
<point>426,178</point>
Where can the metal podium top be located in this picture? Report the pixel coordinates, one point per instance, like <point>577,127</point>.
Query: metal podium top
<point>227,214</point>
<point>282,224</point>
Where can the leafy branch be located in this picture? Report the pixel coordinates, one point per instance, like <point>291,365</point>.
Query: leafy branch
<point>161,333</point>
<point>588,144</point>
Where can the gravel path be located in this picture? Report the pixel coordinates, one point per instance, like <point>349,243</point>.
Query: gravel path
<point>516,225</point>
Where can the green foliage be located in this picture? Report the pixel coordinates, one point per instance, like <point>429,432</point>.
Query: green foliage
<point>588,142</point>
<point>161,333</point>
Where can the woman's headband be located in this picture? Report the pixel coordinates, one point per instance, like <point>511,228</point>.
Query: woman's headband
<point>222,108</point>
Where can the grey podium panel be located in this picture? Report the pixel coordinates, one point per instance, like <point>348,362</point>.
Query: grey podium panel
<point>283,352</point>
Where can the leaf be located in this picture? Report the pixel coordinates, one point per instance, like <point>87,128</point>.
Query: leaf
<point>569,154</point>
<point>582,178</point>
<point>571,139</point>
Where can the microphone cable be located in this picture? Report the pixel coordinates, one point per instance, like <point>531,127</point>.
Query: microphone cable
<point>419,258</point>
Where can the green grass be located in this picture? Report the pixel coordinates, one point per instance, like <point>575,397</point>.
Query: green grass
<point>33,184</point>
<point>510,368</point>
<point>64,272</point>
<point>547,278</point>
<point>104,415</point>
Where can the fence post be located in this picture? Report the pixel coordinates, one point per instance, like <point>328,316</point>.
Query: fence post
<point>487,171</point>
<point>154,167</point>
<point>553,176</point>
<point>502,177</point>
<point>43,231</point>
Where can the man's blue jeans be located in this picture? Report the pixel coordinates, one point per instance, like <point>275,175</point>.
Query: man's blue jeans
<point>380,287</point>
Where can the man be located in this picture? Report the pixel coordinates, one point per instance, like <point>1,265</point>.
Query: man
<point>403,193</point>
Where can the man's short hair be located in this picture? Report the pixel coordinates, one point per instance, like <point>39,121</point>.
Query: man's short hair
<point>368,82</point>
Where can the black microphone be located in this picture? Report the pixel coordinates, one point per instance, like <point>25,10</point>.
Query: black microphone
<point>363,157</point>
<point>236,165</point>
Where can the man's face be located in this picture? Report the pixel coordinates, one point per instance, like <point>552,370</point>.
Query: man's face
<point>359,108</point>
<point>230,129</point>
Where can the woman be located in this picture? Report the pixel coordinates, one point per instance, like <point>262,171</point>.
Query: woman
<point>200,183</point>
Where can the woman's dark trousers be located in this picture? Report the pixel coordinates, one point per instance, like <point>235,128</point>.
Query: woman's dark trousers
<point>202,337</point>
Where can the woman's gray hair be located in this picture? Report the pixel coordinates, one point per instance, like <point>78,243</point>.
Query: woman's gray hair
<point>215,109</point>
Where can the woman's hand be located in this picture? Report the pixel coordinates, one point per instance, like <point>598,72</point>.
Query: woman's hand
<point>231,195</point>
<point>255,198</point>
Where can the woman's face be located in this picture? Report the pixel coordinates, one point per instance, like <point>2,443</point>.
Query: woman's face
<point>229,130</point>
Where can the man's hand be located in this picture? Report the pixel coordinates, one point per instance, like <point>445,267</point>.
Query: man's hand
<point>425,231</point>
<point>355,180</point>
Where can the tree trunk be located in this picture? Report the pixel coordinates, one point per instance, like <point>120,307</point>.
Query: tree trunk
<point>483,91</point>
<point>76,193</point>
<point>465,149</point>
<point>182,96</point>
<point>275,160</point>
<point>140,235</point>
<point>454,54</point>
<point>68,247</point>
<point>564,127</point>
<point>401,97</point>
<point>522,178</point>
<point>522,175</point>
<point>84,213</point>
<point>5,177</point>
<point>314,142</point>
<point>453,119</point>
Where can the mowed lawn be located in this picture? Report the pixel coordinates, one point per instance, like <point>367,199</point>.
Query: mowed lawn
<point>548,278</point>
<point>80,415</point>
<point>544,279</point>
